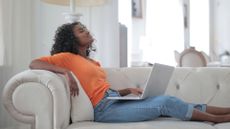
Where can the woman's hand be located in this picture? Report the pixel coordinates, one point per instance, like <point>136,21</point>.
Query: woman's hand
<point>135,91</point>
<point>74,90</point>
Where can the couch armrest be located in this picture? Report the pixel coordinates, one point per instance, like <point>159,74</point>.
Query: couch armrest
<point>38,97</point>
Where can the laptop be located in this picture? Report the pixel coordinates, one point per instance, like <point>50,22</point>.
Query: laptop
<point>155,85</point>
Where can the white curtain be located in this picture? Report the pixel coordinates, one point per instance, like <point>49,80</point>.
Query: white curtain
<point>1,35</point>
<point>103,23</point>
<point>107,34</point>
<point>16,19</point>
<point>6,29</point>
<point>16,33</point>
<point>164,31</point>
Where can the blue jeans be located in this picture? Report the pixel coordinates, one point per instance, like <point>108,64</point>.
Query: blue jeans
<point>141,110</point>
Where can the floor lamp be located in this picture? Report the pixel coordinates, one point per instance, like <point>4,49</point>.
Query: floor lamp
<point>72,16</point>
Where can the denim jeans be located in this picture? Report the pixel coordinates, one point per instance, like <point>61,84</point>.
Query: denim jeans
<point>141,110</point>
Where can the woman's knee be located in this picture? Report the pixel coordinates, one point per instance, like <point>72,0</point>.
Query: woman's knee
<point>167,100</point>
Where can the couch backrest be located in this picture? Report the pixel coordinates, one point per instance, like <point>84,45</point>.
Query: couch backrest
<point>207,85</point>
<point>127,77</point>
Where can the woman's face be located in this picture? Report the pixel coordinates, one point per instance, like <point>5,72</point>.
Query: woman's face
<point>82,33</point>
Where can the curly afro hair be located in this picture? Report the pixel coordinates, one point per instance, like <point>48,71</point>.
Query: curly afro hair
<point>65,40</point>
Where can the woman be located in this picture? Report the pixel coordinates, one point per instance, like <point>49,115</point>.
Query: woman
<point>70,52</point>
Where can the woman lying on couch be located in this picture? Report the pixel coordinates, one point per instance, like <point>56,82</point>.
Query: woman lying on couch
<point>70,52</point>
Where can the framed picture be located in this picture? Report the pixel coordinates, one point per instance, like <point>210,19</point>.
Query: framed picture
<point>137,8</point>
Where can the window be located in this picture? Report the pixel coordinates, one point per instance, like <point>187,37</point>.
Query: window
<point>164,31</point>
<point>199,24</point>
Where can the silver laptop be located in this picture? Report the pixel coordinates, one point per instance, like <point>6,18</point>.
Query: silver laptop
<point>156,84</point>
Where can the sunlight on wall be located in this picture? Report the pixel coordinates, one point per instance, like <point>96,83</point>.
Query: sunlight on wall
<point>199,24</point>
<point>164,31</point>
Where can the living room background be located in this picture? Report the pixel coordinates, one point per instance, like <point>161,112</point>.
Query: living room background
<point>147,39</point>
<point>34,23</point>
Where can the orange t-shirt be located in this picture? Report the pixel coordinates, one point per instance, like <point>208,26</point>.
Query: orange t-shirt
<point>91,76</point>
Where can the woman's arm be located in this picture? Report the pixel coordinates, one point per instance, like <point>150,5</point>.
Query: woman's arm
<point>135,91</point>
<point>38,64</point>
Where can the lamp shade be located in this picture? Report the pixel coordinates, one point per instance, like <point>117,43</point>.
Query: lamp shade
<point>86,3</point>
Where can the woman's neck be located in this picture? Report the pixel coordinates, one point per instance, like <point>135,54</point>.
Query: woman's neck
<point>83,53</point>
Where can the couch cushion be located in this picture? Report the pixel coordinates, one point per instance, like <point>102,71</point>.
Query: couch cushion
<point>162,123</point>
<point>81,108</point>
<point>223,126</point>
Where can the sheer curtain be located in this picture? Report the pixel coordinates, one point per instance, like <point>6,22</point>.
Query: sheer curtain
<point>1,35</point>
<point>6,20</point>
<point>164,31</point>
<point>16,33</point>
<point>16,18</point>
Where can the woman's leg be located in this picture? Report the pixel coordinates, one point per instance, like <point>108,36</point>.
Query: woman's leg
<point>126,111</point>
<point>217,110</point>
<point>205,116</point>
<point>150,108</point>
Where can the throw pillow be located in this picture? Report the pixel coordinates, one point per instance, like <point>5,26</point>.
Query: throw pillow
<point>81,108</point>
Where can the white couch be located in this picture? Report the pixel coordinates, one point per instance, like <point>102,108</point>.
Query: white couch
<point>41,98</point>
